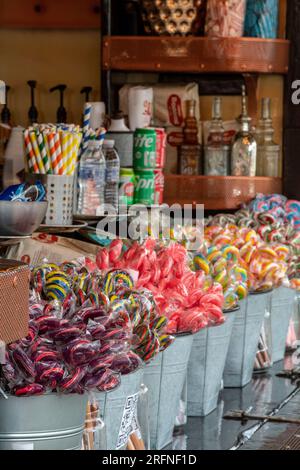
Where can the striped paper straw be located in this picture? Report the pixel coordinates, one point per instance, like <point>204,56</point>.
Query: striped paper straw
<point>100,136</point>
<point>43,152</point>
<point>59,153</point>
<point>87,117</point>
<point>32,163</point>
<point>76,148</point>
<point>87,136</point>
<point>69,152</point>
<point>46,143</point>
<point>38,156</point>
<point>53,153</point>
<point>64,146</point>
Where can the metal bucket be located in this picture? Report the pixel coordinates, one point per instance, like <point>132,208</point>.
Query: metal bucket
<point>48,422</point>
<point>164,378</point>
<point>113,407</point>
<point>244,340</point>
<point>282,307</point>
<point>206,367</point>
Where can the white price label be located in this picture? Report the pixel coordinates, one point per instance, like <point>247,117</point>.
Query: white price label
<point>129,416</point>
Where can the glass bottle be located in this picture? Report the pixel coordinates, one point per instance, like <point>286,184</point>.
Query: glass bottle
<point>190,150</point>
<point>244,148</point>
<point>216,153</point>
<point>268,151</point>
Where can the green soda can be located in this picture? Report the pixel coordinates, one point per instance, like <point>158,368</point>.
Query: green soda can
<point>126,187</point>
<point>144,187</point>
<point>144,149</point>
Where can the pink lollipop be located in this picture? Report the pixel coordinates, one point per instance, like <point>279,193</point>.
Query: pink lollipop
<point>115,251</point>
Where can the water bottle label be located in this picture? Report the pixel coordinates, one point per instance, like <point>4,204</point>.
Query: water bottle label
<point>94,173</point>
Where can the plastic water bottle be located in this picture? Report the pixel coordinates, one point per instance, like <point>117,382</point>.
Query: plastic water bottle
<point>112,173</point>
<point>91,180</point>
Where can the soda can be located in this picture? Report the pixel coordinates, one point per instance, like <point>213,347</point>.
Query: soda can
<point>159,186</point>
<point>144,150</point>
<point>161,145</point>
<point>126,187</point>
<point>144,187</point>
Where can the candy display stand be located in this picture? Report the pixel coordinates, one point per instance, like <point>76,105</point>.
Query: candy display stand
<point>244,339</point>
<point>48,422</point>
<point>206,367</point>
<point>60,197</point>
<point>164,378</point>
<point>115,405</point>
<point>282,307</point>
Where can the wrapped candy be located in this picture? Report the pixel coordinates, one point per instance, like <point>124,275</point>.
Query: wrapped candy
<point>164,272</point>
<point>73,346</point>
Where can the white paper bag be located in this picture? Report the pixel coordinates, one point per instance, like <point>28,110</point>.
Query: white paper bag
<point>140,105</point>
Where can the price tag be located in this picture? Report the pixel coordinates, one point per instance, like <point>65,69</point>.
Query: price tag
<point>129,415</point>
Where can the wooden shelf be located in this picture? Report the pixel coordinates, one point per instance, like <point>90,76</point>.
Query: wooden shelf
<point>195,54</point>
<point>217,192</point>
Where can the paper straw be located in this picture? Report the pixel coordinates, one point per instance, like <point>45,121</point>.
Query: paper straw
<point>100,135</point>
<point>46,143</point>
<point>32,163</point>
<point>38,156</point>
<point>87,136</point>
<point>43,152</point>
<point>64,146</point>
<point>87,117</point>
<point>69,152</point>
<point>59,154</point>
<point>76,149</point>
<point>53,153</point>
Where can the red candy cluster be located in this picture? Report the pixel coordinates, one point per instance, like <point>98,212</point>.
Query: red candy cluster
<point>88,350</point>
<point>180,294</point>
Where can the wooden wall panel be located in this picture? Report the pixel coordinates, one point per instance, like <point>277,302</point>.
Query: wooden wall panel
<point>50,14</point>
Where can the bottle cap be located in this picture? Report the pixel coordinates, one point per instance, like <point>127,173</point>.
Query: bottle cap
<point>94,143</point>
<point>109,144</point>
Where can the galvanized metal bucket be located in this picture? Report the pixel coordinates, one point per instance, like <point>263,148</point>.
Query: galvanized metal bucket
<point>48,422</point>
<point>282,308</point>
<point>244,339</point>
<point>165,377</point>
<point>206,367</point>
<point>113,406</point>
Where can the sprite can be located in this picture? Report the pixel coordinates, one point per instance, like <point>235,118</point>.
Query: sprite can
<point>144,187</point>
<point>144,150</point>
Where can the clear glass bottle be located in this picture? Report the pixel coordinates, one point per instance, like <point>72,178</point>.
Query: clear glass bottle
<point>268,152</point>
<point>91,180</point>
<point>216,153</point>
<point>190,150</point>
<point>244,148</point>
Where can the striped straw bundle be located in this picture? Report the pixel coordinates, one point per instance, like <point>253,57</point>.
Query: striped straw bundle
<point>52,150</point>
<point>88,132</point>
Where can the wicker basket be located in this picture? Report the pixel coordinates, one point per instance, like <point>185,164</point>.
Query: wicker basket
<point>14,300</point>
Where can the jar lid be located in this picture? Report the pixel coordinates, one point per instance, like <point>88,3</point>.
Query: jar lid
<point>94,143</point>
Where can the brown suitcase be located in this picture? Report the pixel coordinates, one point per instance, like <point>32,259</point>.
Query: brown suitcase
<point>14,300</point>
